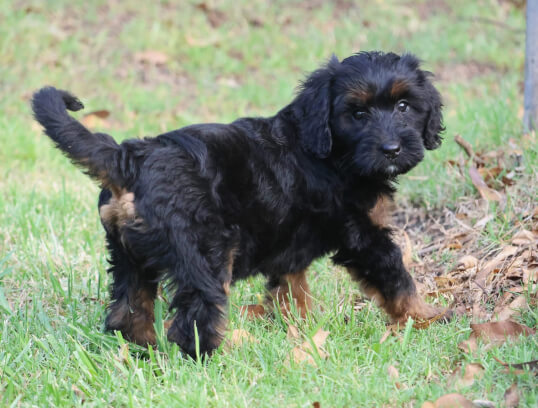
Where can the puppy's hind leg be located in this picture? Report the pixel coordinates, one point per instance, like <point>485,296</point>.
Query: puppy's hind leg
<point>133,293</point>
<point>291,288</point>
<point>134,287</point>
<point>201,299</point>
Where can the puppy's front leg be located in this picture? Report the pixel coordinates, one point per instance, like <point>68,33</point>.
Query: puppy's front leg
<point>375,261</point>
<point>200,317</point>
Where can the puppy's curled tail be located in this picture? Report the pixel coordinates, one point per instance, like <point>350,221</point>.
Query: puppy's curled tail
<point>97,153</point>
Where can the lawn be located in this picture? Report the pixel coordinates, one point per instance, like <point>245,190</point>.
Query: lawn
<point>156,66</point>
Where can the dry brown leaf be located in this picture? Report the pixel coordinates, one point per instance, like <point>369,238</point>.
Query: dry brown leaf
<point>393,372</point>
<point>511,396</point>
<point>446,281</point>
<point>467,262</point>
<point>293,332</point>
<point>483,273</point>
<point>480,224</point>
<point>452,401</point>
<point>513,309</point>
<point>530,276</point>
<point>508,179</point>
<point>486,192</point>
<point>202,42</point>
<point>490,173</point>
<point>215,17</point>
<point>303,353</point>
<point>478,312</point>
<point>95,118</point>
<point>454,245</point>
<point>472,372</point>
<point>238,337</point>
<point>391,330</point>
<point>78,392</point>
<point>465,145</point>
<point>394,375</point>
<point>252,311</point>
<point>152,57</point>
<point>523,237</point>
<point>494,333</point>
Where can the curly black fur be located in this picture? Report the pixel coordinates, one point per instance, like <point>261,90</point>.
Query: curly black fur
<point>210,203</point>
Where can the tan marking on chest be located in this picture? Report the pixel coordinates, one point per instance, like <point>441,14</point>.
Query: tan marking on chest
<point>380,214</point>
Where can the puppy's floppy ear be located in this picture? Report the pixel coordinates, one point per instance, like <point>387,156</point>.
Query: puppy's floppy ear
<point>434,122</point>
<point>312,108</point>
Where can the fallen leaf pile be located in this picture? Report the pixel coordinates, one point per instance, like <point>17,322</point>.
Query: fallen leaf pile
<point>486,281</point>
<point>492,282</point>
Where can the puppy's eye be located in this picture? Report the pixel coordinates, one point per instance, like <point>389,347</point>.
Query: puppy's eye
<point>359,114</point>
<point>402,106</point>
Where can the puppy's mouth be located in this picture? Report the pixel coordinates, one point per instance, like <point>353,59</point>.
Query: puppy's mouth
<point>392,170</point>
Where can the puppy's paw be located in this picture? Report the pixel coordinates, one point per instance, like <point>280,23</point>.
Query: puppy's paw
<point>423,313</point>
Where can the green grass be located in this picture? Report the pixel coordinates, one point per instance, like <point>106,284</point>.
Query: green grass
<point>53,281</point>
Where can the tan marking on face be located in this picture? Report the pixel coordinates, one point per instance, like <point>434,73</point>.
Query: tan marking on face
<point>361,95</point>
<point>399,88</point>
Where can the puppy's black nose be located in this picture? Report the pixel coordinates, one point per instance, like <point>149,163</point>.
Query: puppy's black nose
<point>391,150</point>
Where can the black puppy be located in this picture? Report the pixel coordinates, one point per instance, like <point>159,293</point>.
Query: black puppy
<point>208,204</point>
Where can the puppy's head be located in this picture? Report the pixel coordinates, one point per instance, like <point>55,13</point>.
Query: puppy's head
<point>373,113</point>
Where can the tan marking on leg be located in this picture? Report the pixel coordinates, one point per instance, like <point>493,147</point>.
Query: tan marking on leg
<point>222,324</point>
<point>135,317</point>
<point>300,293</point>
<point>405,306</point>
<point>143,317</point>
<point>229,271</point>
<point>414,306</point>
